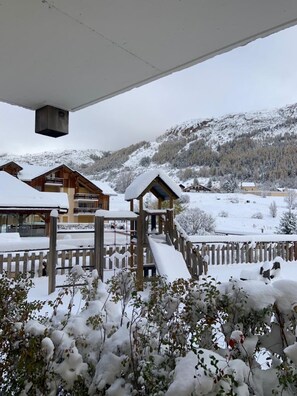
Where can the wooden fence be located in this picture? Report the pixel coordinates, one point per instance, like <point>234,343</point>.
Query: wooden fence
<point>247,252</point>
<point>191,255</point>
<point>223,251</point>
<point>30,263</point>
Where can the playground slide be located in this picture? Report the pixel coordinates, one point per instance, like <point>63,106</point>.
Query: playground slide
<point>169,262</point>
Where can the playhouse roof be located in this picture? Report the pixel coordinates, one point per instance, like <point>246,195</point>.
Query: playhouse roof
<point>156,181</point>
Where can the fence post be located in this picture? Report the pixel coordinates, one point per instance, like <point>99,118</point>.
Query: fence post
<point>99,246</point>
<point>140,238</point>
<point>17,264</point>
<point>189,256</point>
<point>52,252</point>
<point>169,221</point>
<point>261,252</point>
<point>295,251</point>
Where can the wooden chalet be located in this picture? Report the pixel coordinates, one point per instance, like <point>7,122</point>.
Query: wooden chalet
<point>10,167</point>
<point>84,196</point>
<point>196,188</point>
<point>249,187</point>
<point>24,210</point>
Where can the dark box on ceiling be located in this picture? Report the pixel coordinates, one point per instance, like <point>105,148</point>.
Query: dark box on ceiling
<point>51,121</point>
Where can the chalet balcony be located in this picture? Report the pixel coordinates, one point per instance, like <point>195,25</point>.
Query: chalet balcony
<point>86,211</point>
<point>55,181</point>
<point>85,197</point>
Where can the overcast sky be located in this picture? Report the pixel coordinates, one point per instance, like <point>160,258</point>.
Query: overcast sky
<point>260,75</point>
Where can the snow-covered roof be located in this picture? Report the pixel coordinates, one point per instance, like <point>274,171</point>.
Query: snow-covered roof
<point>139,185</point>
<point>248,184</point>
<point>2,163</point>
<point>16,194</point>
<point>116,214</point>
<point>105,187</point>
<point>29,172</point>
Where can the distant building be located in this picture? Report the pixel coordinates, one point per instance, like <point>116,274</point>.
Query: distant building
<point>195,188</point>
<point>249,187</point>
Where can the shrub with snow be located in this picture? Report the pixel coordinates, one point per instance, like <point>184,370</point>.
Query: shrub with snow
<point>273,209</point>
<point>288,223</point>
<point>257,215</point>
<point>291,199</point>
<point>21,356</point>
<point>185,338</point>
<point>223,213</point>
<point>184,199</point>
<point>196,222</point>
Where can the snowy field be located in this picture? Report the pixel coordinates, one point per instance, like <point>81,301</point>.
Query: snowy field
<point>239,208</point>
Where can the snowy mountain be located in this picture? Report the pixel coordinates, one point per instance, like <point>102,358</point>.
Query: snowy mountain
<point>260,125</point>
<point>72,158</point>
<point>259,146</point>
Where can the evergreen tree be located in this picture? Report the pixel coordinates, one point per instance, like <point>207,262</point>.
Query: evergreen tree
<point>195,181</point>
<point>230,185</point>
<point>288,223</point>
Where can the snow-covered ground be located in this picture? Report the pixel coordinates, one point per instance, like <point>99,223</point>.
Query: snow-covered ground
<point>239,209</point>
<point>109,368</point>
<point>222,273</point>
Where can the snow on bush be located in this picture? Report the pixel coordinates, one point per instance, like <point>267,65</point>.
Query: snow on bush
<point>273,209</point>
<point>257,215</point>
<point>196,222</point>
<point>185,338</point>
<point>223,213</point>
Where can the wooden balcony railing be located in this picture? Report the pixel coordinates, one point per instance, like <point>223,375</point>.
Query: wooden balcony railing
<point>84,210</point>
<point>82,196</point>
<point>54,180</point>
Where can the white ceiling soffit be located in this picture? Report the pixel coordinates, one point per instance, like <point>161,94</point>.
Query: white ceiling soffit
<point>73,53</point>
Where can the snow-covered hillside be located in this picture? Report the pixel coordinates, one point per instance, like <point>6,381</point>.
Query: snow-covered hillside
<point>218,131</point>
<point>72,158</point>
<point>262,127</point>
<point>260,146</point>
<point>257,146</point>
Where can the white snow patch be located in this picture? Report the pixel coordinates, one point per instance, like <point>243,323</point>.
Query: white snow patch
<point>169,262</point>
